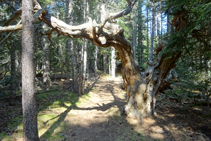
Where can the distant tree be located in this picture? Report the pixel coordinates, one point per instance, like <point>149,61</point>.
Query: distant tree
<point>152,31</point>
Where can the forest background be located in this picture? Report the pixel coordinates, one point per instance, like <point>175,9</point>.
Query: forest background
<point>146,26</point>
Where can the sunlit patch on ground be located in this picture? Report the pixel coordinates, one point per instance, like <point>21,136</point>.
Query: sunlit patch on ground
<point>97,116</point>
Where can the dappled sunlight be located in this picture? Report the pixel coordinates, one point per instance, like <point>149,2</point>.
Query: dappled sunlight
<point>97,116</point>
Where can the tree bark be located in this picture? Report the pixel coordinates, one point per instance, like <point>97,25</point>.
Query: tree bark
<point>140,33</point>
<point>12,77</point>
<point>81,73</point>
<point>152,31</point>
<point>30,131</point>
<point>104,61</point>
<point>134,32</point>
<point>95,62</point>
<point>72,51</point>
<point>113,62</point>
<point>147,27</point>
<point>67,42</point>
<point>158,20</point>
<point>46,61</point>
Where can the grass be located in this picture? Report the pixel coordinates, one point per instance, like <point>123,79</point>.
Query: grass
<point>53,107</point>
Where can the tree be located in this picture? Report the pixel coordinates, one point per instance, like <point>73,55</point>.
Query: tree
<point>46,61</point>
<point>158,20</point>
<point>113,62</point>
<point>141,91</point>
<point>152,31</point>
<point>30,132</point>
<point>134,32</point>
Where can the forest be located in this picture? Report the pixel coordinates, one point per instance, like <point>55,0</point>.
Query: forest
<point>105,70</point>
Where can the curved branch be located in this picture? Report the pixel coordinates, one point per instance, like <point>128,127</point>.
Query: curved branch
<point>123,12</point>
<point>18,13</point>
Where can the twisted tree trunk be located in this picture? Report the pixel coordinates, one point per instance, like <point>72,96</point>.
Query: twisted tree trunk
<point>141,92</point>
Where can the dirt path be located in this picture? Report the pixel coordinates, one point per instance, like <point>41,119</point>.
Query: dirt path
<point>99,119</point>
<point>94,119</point>
<point>64,116</point>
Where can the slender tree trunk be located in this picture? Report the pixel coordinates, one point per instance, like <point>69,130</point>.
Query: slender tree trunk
<point>67,42</point>
<point>81,73</point>
<point>147,27</point>
<point>104,62</point>
<point>12,72</point>
<point>168,27</point>
<point>113,62</point>
<point>72,50</point>
<point>46,61</point>
<point>74,68</point>
<point>109,67</point>
<point>30,131</point>
<point>12,68</point>
<point>153,31</point>
<point>140,33</point>
<point>95,62</point>
<point>158,20</point>
<point>134,33</point>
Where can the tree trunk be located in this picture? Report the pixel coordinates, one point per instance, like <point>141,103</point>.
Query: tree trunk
<point>74,68</point>
<point>72,51</point>
<point>152,31</point>
<point>81,73</point>
<point>147,27</point>
<point>134,33</point>
<point>95,62</point>
<point>158,20</point>
<point>46,61</point>
<point>140,34</point>
<point>30,131</point>
<point>12,77</point>
<point>104,61</point>
<point>67,42</point>
<point>113,62</point>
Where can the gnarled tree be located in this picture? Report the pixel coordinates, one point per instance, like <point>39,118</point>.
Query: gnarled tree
<point>141,91</point>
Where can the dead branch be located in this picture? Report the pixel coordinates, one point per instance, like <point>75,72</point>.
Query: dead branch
<point>8,35</point>
<point>18,13</point>
<point>10,28</point>
<point>38,14</point>
<point>123,12</point>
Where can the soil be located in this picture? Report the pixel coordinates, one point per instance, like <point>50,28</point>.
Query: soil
<point>99,118</point>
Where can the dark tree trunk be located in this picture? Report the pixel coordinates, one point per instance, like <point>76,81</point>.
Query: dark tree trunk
<point>30,132</point>
<point>104,61</point>
<point>12,72</point>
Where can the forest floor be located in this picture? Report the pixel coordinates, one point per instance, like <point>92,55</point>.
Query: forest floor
<point>96,116</point>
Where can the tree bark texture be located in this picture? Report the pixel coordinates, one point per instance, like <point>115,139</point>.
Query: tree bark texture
<point>30,132</point>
